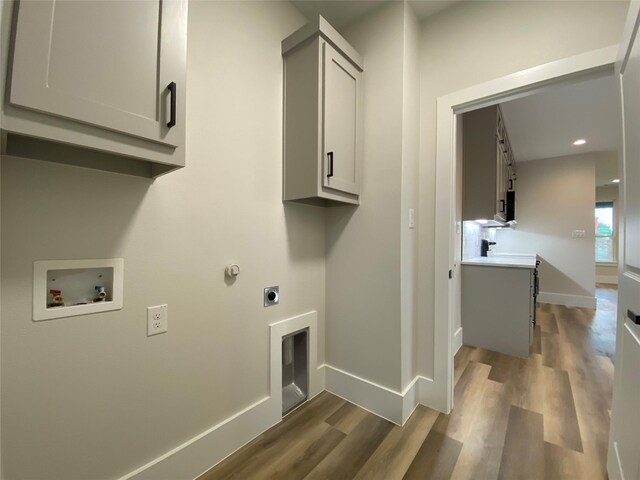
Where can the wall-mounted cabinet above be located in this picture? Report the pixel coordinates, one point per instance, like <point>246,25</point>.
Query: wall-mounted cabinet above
<point>488,168</point>
<point>98,84</point>
<point>322,117</point>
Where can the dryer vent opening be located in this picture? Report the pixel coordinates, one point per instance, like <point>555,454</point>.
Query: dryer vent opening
<point>295,369</point>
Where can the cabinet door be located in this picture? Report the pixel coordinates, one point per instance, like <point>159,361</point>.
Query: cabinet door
<point>105,63</point>
<point>532,304</point>
<point>511,174</point>
<point>340,98</point>
<point>501,196</point>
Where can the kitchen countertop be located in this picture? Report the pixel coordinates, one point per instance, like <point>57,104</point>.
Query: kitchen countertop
<point>513,261</point>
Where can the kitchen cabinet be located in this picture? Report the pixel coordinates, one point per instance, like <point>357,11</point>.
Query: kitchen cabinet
<point>498,304</point>
<point>322,117</point>
<point>488,167</point>
<point>99,84</point>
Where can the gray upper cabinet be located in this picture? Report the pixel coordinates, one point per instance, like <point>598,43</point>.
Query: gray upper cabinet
<point>322,117</point>
<point>111,75</point>
<point>488,167</point>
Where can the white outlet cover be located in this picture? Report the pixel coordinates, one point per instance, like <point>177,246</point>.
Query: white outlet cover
<point>157,319</point>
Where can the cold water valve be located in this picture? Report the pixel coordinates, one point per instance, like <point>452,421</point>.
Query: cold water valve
<point>101,294</point>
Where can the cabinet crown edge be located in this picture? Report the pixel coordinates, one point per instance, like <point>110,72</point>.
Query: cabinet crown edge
<point>320,27</point>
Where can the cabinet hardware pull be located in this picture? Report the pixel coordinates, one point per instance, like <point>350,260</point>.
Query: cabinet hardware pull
<point>634,317</point>
<point>510,184</point>
<point>502,205</point>
<point>172,92</point>
<point>330,155</point>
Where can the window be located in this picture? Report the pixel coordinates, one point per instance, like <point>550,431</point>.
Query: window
<point>605,240</point>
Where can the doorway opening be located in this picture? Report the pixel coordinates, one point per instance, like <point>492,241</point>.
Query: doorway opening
<point>450,108</point>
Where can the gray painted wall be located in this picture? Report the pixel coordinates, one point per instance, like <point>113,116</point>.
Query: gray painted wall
<point>77,386</point>
<point>92,396</point>
<point>364,243</point>
<point>554,197</point>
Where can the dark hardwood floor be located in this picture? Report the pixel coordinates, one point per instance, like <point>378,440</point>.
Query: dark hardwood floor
<point>545,417</point>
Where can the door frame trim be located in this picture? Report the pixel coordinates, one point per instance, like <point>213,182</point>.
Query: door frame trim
<point>629,37</point>
<point>527,82</point>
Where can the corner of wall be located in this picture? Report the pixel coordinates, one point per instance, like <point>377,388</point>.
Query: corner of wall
<point>409,193</point>
<point>200,453</point>
<point>555,197</point>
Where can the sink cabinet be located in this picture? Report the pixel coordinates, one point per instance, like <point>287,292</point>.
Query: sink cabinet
<point>101,84</point>
<point>322,117</point>
<point>498,308</point>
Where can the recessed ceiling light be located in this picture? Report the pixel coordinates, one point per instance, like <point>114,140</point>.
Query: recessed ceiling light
<point>617,180</point>
<point>580,141</point>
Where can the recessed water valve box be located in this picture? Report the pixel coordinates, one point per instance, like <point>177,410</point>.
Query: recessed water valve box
<point>65,288</point>
<point>271,296</point>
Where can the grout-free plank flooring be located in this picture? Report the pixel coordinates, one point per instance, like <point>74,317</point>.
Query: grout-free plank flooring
<point>545,417</point>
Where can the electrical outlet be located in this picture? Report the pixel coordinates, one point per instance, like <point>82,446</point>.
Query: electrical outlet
<point>157,319</point>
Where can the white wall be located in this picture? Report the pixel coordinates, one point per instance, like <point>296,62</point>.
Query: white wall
<point>86,396</point>
<point>92,396</point>
<point>473,42</point>
<point>370,250</point>
<point>609,273</point>
<point>554,197</point>
<point>363,243</point>
<point>410,152</point>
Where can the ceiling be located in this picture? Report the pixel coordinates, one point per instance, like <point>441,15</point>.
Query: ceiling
<point>337,12</point>
<point>340,13</point>
<point>546,124</point>
<point>540,126</point>
<point>426,8</point>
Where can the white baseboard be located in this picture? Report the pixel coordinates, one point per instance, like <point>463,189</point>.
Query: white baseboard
<point>582,301</point>
<point>200,453</point>
<point>614,464</point>
<point>457,340</point>
<point>395,406</point>
<point>428,395</point>
<point>410,399</point>
<point>205,450</point>
<point>609,279</point>
<point>380,400</point>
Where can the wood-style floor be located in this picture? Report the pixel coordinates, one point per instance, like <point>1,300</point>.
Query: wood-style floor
<point>545,417</point>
